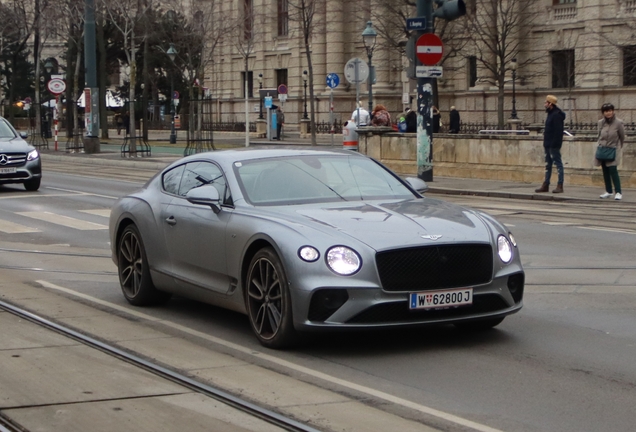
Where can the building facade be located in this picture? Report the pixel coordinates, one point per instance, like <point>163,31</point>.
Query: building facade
<point>582,51</point>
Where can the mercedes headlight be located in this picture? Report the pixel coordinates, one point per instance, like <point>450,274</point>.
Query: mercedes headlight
<point>33,154</point>
<point>343,260</point>
<point>504,248</point>
<point>512,239</point>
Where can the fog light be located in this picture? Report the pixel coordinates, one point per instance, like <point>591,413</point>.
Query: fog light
<point>515,285</point>
<point>325,302</point>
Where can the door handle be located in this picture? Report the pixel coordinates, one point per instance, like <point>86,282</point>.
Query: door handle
<point>171,220</point>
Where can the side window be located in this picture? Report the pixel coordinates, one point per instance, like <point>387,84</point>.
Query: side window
<point>201,173</point>
<point>172,179</point>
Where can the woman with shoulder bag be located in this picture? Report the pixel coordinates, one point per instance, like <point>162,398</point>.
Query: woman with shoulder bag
<point>611,136</point>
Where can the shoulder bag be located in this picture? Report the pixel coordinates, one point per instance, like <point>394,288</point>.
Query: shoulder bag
<point>607,154</point>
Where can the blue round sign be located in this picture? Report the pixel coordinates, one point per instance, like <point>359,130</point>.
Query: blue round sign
<point>333,80</point>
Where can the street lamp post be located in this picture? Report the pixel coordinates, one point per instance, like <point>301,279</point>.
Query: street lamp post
<point>260,99</point>
<point>369,36</point>
<point>172,54</point>
<point>305,93</point>
<point>513,66</point>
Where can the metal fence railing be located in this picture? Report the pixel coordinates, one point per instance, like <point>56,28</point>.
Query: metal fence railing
<point>324,127</point>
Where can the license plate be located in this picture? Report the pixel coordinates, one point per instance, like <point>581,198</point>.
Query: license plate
<point>7,170</point>
<point>441,299</point>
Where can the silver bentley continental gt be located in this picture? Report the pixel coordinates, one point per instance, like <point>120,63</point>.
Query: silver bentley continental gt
<point>302,240</point>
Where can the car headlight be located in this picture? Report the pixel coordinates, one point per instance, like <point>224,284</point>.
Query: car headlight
<point>343,260</point>
<point>33,154</point>
<point>308,253</point>
<point>504,248</point>
<point>512,239</point>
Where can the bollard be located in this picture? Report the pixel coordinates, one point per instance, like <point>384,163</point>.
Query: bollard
<point>349,136</point>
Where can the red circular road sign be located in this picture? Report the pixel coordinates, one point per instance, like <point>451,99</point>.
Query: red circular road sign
<point>429,49</point>
<point>56,86</point>
<point>282,89</point>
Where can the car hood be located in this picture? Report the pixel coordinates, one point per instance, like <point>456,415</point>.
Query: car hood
<point>14,145</point>
<point>383,225</point>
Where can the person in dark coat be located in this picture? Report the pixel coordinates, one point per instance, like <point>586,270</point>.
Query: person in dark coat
<point>453,125</point>
<point>126,122</point>
<point>552,142</point>
<point>280,120</point>
<point>437,119</point>
<point>411,120</point>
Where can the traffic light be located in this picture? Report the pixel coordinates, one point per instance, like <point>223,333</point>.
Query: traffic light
<point>449,9</point>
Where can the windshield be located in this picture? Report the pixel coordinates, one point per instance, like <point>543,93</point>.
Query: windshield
<point>5,130</point>
<point>305,179</point>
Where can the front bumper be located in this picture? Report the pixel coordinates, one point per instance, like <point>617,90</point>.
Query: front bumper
<point>30,170</point>
<point>372,307</point>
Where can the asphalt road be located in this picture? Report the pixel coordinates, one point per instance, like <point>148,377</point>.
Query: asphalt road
<point>564,363</point>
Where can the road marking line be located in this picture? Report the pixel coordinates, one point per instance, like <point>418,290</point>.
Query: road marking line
<point>616,230</point>
<point>83,193</point>
<point>98,212</point>
<point>14,228</point>
<point>285,363</point>
<point>558,223</point>
<point>32,195</point>
<point>64,221</point>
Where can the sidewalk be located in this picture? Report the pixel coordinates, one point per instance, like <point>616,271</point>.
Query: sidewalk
<point>163,153</point>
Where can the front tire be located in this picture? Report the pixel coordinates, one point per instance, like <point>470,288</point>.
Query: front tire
<point>268,301</point>
<point>134,272</point>
<point>33,184</point>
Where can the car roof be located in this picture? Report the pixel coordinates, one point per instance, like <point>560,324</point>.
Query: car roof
<point>244,154</point>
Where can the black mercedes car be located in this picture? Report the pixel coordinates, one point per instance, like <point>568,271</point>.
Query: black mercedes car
<point>19,161</point>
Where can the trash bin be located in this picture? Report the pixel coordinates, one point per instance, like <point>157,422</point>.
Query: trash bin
<point>349,136</point>
<point>46,128</point>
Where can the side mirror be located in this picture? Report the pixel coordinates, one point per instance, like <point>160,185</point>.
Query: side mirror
<point>205,195</point>
<point>417,183</point>
<point>24,135</point>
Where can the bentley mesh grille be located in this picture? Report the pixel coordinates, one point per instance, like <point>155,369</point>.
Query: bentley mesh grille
<point>435,267</point>
<point>398,312</point>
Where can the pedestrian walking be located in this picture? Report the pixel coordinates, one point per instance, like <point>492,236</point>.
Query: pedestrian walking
<point>119,123</point>
<point>552,142</point>
<point>280,120</point>
<point>437,120</point>
<point>365,117</point>
<point>611,137</point>
<point>411,120</point>
<point>126,123</point>
<point>380,116</point>
<point>455,119</point>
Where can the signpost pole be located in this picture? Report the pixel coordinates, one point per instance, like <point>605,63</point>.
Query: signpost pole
<point>57,103</point>
<point>357,93</point>
<point>332,81</point>
<point>331,115</point>
<point>424,104</point>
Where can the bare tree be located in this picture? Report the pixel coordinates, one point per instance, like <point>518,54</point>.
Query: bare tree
<point>126,16</point>
<point>245,33</point>
<point>74,29</point>
<point>498,29</point>
<point>202,30</point>
<point>304,13</point>
<point>389,20</point>
<point>24,21</point>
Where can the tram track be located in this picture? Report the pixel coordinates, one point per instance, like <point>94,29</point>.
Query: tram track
<point>271,417</point>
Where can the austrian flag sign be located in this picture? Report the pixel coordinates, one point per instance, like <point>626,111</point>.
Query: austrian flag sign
<point>429,49</point>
